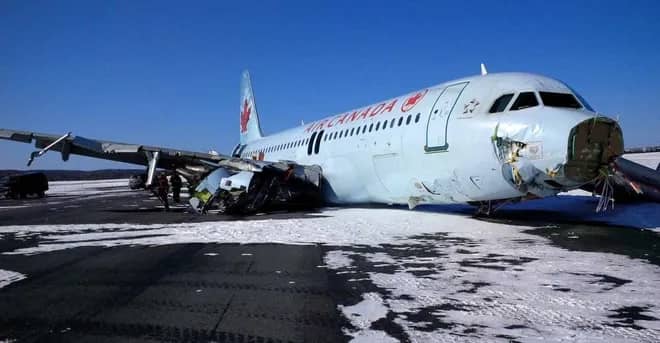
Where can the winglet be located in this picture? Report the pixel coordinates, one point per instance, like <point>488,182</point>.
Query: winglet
<point>483,70</point>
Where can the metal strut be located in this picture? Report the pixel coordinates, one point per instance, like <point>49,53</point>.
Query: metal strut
<point>152,159</point>
<point>41,152</point>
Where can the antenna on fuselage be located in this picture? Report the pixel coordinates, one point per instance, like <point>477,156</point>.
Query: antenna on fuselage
<point>483,70</point>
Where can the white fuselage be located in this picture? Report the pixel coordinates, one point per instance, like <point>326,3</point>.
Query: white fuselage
<point>435,145</point>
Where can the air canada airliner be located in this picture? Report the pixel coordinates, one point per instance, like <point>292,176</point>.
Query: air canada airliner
<point>492,137</point>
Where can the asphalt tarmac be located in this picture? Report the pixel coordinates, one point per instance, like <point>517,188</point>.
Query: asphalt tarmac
<point>212,292</point>
<point>183,292</point>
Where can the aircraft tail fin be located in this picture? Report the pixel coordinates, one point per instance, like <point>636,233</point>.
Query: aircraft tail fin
<point>250,128</point>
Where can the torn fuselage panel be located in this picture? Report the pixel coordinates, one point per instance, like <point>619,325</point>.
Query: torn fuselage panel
<point>277,185</point>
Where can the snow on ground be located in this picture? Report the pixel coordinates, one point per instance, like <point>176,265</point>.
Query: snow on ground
<point>8,276</point>
<point>648,159</point>
<point>443,276</point>
<point>362,315</point>
<point>87,187</point>
<point>60,192</point>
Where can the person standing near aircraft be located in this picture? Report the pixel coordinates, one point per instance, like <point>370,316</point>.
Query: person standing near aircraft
<point>175,180</point>
<point>163,189</point>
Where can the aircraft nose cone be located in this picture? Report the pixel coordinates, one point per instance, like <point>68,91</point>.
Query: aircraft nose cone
<point>592,144</point>
<point>571,150</point>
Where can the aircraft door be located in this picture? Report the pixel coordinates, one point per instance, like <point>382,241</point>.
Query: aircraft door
<point>436,129</point>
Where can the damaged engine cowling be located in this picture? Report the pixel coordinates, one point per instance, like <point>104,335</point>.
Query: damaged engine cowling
<point>277,186</point>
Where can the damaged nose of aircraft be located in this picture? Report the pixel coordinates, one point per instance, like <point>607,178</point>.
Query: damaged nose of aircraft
<point>592,144</point>
<point>542,160</point>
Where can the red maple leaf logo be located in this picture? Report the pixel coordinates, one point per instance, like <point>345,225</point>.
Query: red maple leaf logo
<point>245,116</point>
<point>412,101</point>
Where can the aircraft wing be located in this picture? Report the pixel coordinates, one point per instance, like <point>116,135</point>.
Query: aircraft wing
<point>238,185</point>
<point>124,152</point>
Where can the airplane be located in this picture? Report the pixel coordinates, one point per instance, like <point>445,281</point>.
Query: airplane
<point>484,140</point>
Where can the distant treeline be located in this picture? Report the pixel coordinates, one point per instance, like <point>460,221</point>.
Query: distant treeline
<point>67,175</point>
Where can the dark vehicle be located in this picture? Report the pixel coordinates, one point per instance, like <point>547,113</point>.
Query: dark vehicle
<point>20,186</point>
<point>137,181</point>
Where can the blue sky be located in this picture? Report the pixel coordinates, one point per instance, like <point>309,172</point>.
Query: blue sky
<point>167,73</point>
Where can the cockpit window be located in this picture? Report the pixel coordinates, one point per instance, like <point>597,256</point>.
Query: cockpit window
<point>525,100</point>
<point>559,100</point>
<point>500,104</point>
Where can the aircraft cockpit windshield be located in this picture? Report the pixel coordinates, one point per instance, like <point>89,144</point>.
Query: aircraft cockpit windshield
<point>532,99</point>
<point>524,100</point>
<point>565,100</point>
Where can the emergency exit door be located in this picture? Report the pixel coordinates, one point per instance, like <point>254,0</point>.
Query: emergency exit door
<point>436,130</point>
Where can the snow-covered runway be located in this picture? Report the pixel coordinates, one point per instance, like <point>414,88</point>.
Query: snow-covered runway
<point>438,275</point>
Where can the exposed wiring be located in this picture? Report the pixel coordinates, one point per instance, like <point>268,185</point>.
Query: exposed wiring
<point>606,192</point>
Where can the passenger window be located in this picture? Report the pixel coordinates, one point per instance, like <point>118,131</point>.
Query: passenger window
<point>352,129</point>
<point>335,135</point>
<point>559,100</point>
<point>384,125</point>
<point>346,133</point>
<point>408,119</point>
<point>419,115</point>
<point>364,129</point>
<point>400,120</point>
<point>525,100</point>
<point>500,104</point>
<point>341,133</point>
<point>371,127</point>
<point>377,126</point>
<point>392,123</point>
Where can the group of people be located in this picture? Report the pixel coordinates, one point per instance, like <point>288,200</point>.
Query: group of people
<point>163,188</point>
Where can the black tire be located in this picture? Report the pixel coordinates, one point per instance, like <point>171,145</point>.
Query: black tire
<point>41,194</point>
